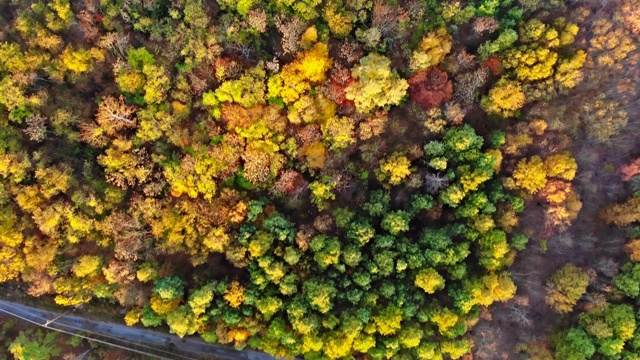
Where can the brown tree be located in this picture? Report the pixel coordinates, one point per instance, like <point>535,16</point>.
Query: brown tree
<point>430,88</point>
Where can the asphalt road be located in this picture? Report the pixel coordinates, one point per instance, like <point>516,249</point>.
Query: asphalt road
<point>161,345</point>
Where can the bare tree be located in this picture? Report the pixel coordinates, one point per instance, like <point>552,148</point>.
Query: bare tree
<point>291,32</point>
<point>435,182</point>
<point>519,312</point>
<point>385,19</point>
<point>36,128</point>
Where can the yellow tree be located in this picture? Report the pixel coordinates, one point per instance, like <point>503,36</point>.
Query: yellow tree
<point>80,60</point>
<point>377,84</point>
<point>394,169</point>
<point>530,175</point>
<point>432,49</point>
<point>296,78</point>
<point>11,262</point>
<point>505,98</point>
<point>566,287</point>
<point>623,214</point>
<point>429,280</point>
<point>562,166</point>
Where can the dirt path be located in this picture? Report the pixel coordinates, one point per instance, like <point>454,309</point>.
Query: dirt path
<point>154,343</point>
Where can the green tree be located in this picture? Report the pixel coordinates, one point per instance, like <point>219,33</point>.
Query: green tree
<point>575,344</point>
<point>378,203</point>
<point>327,253</point>
<point>169,288</point>
<point>629,279</point>
<point>396,222</point>
<point>200,299</point>
<point>360,232</point>
<point>34,345</point>
<point>320,295</point>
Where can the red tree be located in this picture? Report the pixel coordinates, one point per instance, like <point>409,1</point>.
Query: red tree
<point>430,88</point>
<point>629,170</point>
<point>492,64</point>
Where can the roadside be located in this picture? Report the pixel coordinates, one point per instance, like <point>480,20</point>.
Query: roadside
<point>151,343</point>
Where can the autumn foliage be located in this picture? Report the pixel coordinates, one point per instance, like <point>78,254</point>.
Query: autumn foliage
<point>430,88</point>
<point>319,179</point>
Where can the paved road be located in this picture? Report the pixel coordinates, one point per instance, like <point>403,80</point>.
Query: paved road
<point>164,345</point>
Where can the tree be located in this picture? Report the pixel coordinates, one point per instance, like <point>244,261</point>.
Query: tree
<point>338,132</point>
<point>456,349</point>
<point>297,77</point>
<point>320,295</point>
<point>493,248</point>
<point>338,19</point>
<point>575,345</point>
<point>396,222</point>
<point>432,49</point>
<point>429,280</point>
<point>430,88</point>
<point>622,214</point>
<point>322,192</point>
<point>604,118</point>
<point>361,232</point>
<point>11,262</point>
<point>632,248</point>
<point>200,299</point>
<point>531,63</point>
<point>611,327</point>
<point>156,85</point>
<point>530,175</point>
<point>388,321</point>
<point>568,71</point>
<point>327,250</point>
<point>629,279</point>
<point>72,291</point>
<point>114,115</point>
<point>169,288</point>
<point>376,84</point>
<point>505,99</point>
<point>562,166</point>
<point>242,7</point>
<point>182,321</point>
<point>60,17</point>
<point>269,306</point>
<point>234,295</point>
<point>394,169</point>
<point>504,41</point>
<point>80,60</point>
<point>565,287</point>
<point>34,345</point>
<point>249,90</point>
<point>87,266</point>
<point>445,320</point>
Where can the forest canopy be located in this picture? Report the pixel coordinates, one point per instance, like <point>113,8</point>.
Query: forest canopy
<point>318,178</point>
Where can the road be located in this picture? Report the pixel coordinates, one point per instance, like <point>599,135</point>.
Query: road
<point>160,345</point>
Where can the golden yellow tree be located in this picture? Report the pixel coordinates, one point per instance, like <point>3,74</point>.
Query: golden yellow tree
<point>394,169</point>
<point>530,175</point>
<point>504,99</point>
